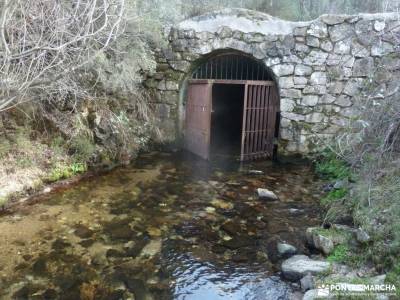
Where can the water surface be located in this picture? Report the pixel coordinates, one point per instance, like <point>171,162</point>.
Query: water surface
<point>168,227</point>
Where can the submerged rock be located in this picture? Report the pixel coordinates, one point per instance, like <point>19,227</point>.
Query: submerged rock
<point>255,172</point>
<point>266,194</point>
<point>83,231</point>
<point>298,266</point>
<point>221,204</point>
<point>152,248</point>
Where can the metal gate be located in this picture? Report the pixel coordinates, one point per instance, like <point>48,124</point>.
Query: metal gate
<point>259,120</point>
<point>261,106</point>
<point>198,119</point>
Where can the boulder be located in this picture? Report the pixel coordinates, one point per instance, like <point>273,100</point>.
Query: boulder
<point>286,250</point>
<point>299,266</point>
<point>323,243</point>
<point>266,194</point>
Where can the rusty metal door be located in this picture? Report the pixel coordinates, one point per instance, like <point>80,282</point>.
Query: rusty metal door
<point>198,119</point>
<point>259,120</point>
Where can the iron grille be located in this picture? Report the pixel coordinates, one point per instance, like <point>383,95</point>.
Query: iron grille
<point>232,67</point>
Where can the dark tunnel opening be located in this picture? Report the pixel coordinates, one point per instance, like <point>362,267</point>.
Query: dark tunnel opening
<point>226,119</point>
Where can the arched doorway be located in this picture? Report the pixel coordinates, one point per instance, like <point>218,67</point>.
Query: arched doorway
<point>232,107</point>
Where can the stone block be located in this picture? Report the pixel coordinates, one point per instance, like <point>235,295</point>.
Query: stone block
<point>283,69</point>
<point>326,46</point>
<point>318,29</point>
<point>318,78</point>
<point>340,32</point>
<point>287,104</point>
<point>291,93</point>
<point>302,70</point>
<point>312,41</point>
<point>315,58</point>
<point>310,100</point>
<point>315,89</point>
<point>363,67</point>
<point>286,82</point>
<point>342,47</point>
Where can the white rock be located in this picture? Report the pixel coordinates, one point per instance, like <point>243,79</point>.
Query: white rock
<point>266,194</point>
<point>298,266</point>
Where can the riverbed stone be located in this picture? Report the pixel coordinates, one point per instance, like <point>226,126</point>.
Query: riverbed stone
<point>266,194</point>
<point>286,250</point>
<point>298,266</point>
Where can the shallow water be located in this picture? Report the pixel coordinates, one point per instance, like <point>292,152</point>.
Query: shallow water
<point>169,227</point>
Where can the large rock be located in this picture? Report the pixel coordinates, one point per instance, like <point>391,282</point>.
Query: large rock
<point>298,266</point>
<point>323,243</point>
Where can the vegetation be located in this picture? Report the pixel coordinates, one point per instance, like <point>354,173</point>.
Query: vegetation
<point>367,155</point>
<point>331,167</point>
<point>339,254</point>
<point>67,171</point>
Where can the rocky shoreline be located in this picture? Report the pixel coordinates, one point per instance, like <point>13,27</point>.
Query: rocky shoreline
<point>308,273</point>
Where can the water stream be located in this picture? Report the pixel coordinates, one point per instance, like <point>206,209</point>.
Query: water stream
<point>168,227</point>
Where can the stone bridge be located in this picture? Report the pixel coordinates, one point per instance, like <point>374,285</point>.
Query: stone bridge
<point>325,69</point>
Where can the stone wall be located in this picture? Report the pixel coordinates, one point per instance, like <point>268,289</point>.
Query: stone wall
<point>325,68</point>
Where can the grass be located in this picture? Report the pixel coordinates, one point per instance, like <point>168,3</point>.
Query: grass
<point>66,171</point>
<point>339,254</point>
<point>331,167</point>
<point>393,277</point>
<point>334,195</point>
<point>374,206</point>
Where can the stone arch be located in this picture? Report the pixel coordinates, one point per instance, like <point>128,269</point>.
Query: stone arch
<point>228,66</point>
<point>187,75</point>
<point>321,66</point>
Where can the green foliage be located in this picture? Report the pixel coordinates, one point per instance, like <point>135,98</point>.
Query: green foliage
<point>332,167</point>
<point>334,195</point>
<point>64,172</point>
<point>340,254</point>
